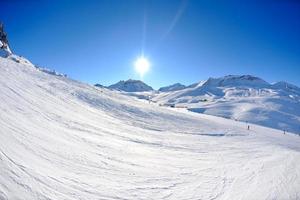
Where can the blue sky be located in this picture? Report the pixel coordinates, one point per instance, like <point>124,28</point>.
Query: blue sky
<point>186,40</point>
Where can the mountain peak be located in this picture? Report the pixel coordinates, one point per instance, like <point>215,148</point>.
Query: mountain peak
<point>131,85</point>
<point>236,80</point>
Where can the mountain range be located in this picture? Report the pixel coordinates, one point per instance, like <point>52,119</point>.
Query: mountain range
<point>240,97</point>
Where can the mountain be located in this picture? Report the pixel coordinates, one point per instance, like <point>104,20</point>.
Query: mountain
<point>99,85</point>
<point>236,80</point>
<point>63,139</point>
<point>245,98</point>
<point>174,87</point>
<point>131,86</point>
<point>286,87</point>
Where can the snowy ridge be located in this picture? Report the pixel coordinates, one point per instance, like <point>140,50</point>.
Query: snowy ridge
<point>62,139</point>
<point>244,98</point>
<point>286,86</point>
<point>174,87</point>
<point>236,80</point>
<point>50,71</point>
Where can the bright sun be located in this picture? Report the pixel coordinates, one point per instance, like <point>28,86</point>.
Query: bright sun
<point>142,65</point>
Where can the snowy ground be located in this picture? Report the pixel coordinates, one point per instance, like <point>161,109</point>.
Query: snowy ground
<point>62,139</point>
<point>256,101</point>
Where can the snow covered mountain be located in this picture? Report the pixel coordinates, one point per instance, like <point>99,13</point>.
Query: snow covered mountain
<point>131,86</point>
<point>244,98</point>
<point>63,139</point>
<point>174,87</point>
<point>282,85</point>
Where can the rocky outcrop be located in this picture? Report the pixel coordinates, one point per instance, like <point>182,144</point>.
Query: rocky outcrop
<point>4,46</point>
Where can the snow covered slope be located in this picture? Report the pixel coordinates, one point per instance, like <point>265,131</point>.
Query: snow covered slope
<point>174,87</point>
<point>244,98</point>
<point>131,86</point>
<point>62,139</point>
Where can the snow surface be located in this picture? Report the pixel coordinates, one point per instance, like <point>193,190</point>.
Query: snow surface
<point>244,98</point>
<point>62,139</point>
<point>174,87</point>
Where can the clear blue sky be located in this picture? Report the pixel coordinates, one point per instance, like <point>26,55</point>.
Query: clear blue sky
<point>186,41</point>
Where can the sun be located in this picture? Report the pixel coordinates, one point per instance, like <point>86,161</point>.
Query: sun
<point>142,65</point>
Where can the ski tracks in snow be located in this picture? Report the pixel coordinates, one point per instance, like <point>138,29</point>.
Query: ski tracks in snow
<point>61,139</point>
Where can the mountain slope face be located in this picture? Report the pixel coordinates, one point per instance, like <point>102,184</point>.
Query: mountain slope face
<point>62,139</point>
<point>243,98</point>
<point>174,87</point>
<point>131,86</point>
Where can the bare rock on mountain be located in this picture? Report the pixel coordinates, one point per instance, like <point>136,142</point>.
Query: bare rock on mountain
<point>4,46</point>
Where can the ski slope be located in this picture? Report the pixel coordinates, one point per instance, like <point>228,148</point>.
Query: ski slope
<point>62,139</point>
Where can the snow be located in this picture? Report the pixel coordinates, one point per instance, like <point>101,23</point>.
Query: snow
<point>4,52</point>
<point>63,139</point>
<point>286,86</point>
<point>244,98</point>
<point>174,87</point>
<point>49,71</point>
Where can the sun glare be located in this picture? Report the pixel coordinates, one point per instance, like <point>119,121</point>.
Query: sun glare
<point>142,65</point>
